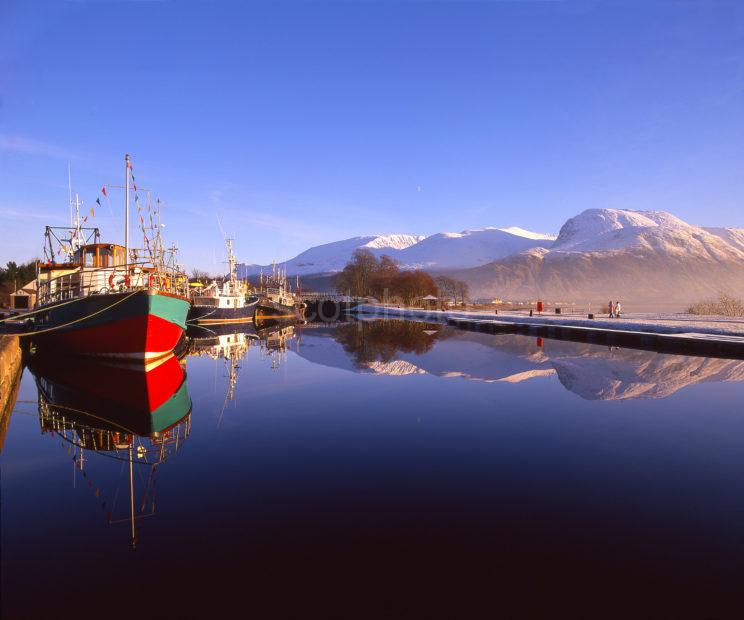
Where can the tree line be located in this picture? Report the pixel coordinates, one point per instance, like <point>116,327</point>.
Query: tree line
<point>367,276</point>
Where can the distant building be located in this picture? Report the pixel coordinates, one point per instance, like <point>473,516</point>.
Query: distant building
<point>24,298</point>
<point>431,302</point>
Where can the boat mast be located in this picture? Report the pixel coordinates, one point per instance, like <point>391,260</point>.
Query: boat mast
<point>126,209</point>
<point>69,189</point>
<point>131,488</point>
<point>231,261</point>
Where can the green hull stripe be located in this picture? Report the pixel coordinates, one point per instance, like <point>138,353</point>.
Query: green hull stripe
<point>172,410</point>
<point>170,308</point>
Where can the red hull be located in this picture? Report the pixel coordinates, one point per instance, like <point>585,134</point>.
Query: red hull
<point>141,337</point>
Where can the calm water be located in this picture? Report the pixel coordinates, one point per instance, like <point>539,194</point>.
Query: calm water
<point>378,469</point>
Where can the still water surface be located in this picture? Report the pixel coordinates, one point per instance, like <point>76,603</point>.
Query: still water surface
<point>381,469</point>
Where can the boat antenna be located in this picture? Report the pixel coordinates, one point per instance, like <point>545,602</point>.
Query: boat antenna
<point>127,165</point>
<point>222,230</point>
<point>69,189</point>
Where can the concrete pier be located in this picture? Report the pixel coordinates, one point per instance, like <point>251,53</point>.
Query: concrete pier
<point>11,367</point>
<point>690,343</point>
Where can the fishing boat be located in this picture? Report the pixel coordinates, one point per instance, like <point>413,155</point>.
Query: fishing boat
<point>276,300</point>
<point>228,303</point>
<point>105,299</point>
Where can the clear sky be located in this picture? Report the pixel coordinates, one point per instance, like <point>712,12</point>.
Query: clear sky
<point>300,123</point>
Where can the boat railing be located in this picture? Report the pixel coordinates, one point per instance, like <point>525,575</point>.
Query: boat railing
<point>85,281</point>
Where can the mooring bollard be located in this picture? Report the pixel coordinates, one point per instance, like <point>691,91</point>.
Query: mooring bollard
<point>530,312</point>
<point>590,316</point>
<point>557,310</point>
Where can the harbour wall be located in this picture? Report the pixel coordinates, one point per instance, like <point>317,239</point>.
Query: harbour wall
<point>11,366</point>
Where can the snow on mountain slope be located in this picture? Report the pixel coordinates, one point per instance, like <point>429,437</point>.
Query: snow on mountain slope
<point>649,257</point>
<point>333,256</point>
<point>469,248</point>
<point>658,232</point>
<point>732,236</point>
<point>394,242</point>
<point>528,234</point>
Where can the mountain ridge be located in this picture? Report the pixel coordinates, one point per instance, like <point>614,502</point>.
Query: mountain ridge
<point>648,256</point>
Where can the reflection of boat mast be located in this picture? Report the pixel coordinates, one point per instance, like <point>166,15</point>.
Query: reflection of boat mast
<point>131,495</point>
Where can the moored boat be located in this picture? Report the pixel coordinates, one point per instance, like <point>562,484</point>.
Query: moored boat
<point>106,299</point>
<point>223,304</point>
<point>276,300</point>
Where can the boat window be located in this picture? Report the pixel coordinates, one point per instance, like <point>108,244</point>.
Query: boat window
<point>105,257</point>
<point>90,256</point>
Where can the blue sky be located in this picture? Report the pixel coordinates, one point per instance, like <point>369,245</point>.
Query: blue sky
<point>300,123</point>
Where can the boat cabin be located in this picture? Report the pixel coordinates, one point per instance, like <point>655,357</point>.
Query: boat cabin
<point>229,296</point>
<point>100,255</point>
<point>93,269</point>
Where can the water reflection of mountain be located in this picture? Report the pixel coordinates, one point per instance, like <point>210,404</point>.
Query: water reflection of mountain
<point>591,371</point>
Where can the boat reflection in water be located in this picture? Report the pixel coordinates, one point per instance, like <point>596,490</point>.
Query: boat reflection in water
<point>275,338</point>
<point>139,414</point>
<point>231,342</point>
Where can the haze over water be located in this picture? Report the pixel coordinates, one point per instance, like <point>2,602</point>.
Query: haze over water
<point>387,469</point>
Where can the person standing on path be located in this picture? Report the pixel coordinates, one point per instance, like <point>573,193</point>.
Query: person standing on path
<point>612,309</point>
<point>617,309</point>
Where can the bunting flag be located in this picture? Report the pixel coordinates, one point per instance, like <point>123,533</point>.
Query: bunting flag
<point>103,191</point>
<point>98,200</point>
<point>92,212</point>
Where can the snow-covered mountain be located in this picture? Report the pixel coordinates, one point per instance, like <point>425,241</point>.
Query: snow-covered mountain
<point>441,251</point>
<point>469,248</point>
<point>331,257</point>
<point>643,257</point>
<point>606,230</point>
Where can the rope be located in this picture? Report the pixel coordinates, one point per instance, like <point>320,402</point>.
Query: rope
<point>80,320</point>
<point>20,317</point>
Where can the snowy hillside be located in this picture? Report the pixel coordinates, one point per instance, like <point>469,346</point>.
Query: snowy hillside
<point>332,257</point>
<point>603,230</point>
<point>643,256</point>
<point>647,257</point>
<point>469,248</point>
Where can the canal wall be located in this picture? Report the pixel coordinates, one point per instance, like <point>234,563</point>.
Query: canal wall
<point>658,324</point>
<point>11,366</point>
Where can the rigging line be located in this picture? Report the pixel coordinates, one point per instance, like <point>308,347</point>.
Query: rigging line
<point>118,486</point>
<point>93,415</point>
<point>80,320</point>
